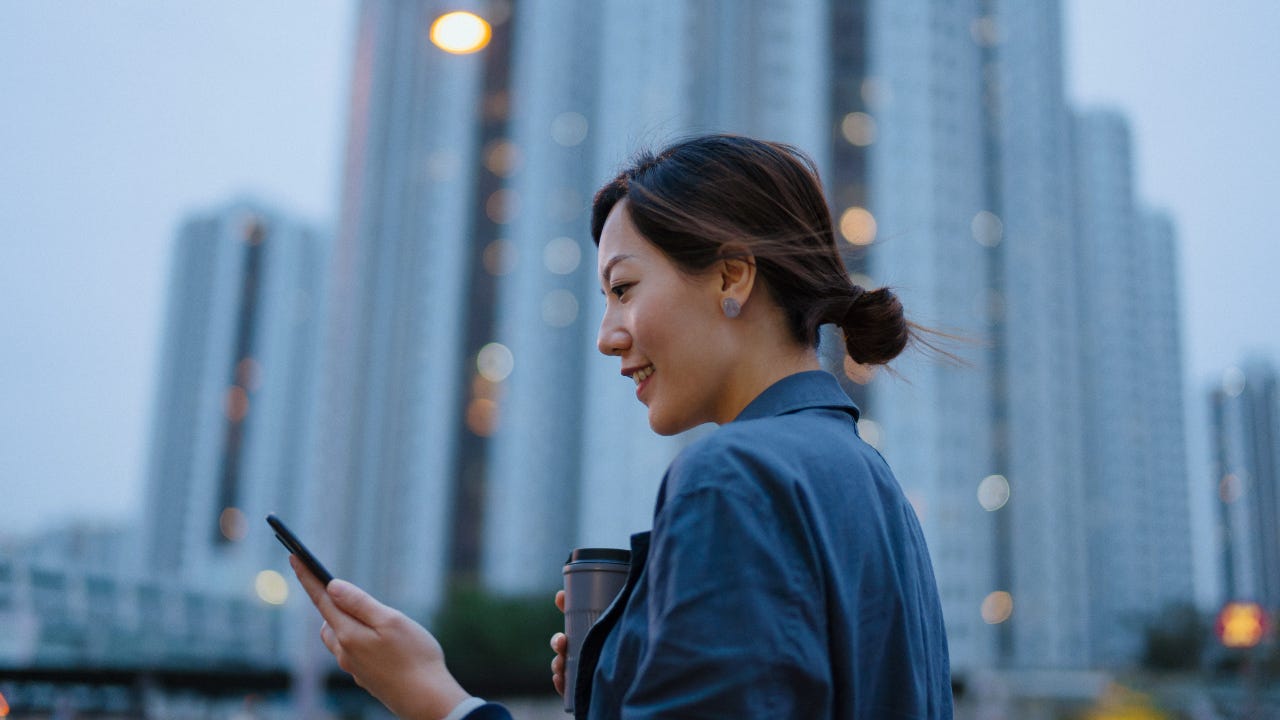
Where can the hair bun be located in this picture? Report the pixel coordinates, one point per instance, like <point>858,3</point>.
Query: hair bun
<point>875,327</point>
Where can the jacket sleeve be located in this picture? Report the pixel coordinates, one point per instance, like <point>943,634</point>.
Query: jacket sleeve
<point>736,626</point>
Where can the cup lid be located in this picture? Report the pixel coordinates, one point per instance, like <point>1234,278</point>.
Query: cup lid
<point>615,555</point>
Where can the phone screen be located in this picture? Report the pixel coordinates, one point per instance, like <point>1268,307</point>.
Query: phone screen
<point>295,546</point>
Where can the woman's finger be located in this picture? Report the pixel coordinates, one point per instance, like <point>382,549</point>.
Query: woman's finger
<point>560,600</point>
<point>327,637</point>
<point>560,643</point>
<point>333,616</point>
<point>558,682</point>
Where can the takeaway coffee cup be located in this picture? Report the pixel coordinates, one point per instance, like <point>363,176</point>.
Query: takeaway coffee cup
<point>593,577</point>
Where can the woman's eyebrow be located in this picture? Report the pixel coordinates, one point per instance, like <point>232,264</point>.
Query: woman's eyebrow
<point>608,267</point>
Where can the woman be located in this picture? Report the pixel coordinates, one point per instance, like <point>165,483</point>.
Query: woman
<point>786,576</point>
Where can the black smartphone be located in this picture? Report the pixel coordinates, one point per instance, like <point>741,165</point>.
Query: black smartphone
<point>295,546</point>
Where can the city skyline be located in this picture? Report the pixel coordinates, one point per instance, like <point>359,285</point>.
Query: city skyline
<point>319,201</point>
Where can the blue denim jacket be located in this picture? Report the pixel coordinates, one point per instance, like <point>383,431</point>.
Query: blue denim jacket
<point>786,576</point>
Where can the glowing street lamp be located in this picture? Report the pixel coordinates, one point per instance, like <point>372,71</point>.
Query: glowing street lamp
<point>1241,625</point>
<point>460,32</point>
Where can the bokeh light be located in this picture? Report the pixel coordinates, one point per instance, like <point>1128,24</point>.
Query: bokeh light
<point>569,129</point>
<point>232,524</point>
<point>1233,382</point>
<point>997,607</point>
<point>500,257</point>
<point>993,492</point>
<point>495,362</point>
<point>502,206</point>
<point>1241,625</point>
<point>858,128</point>
<point>502,157</point>
<point>987,228</point>
<point>271,587</point>
<point>858,226</point>
<point>562,255</point>
<point>559,308</point>
<point>482,416</point>
<point>460,32</point>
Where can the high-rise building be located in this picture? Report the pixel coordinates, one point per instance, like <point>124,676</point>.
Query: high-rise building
<point>1245,412</point>
<point>230,425</point>
<point>918,115</point>
<point>1169,518</point>
<point>419,242</point>
<point>1135,468</point>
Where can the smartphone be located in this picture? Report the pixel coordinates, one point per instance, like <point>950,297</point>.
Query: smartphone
<point>295,546</point>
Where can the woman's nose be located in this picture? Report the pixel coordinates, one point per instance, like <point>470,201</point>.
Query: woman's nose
<point>612,340</point>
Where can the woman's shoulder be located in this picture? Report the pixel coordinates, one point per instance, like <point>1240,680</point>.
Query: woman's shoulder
<point>779,449</point>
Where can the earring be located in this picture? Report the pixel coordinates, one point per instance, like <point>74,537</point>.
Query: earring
<point>731,307</point>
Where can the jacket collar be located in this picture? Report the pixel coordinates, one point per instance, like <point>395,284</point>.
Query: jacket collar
<point>804,390</point>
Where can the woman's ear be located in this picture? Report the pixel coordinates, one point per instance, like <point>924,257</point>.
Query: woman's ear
<point>737,272</point>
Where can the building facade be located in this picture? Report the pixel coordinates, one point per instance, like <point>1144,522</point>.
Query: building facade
<point>230,439</point>
<point>1135,461</point>
<point>1245,413</point>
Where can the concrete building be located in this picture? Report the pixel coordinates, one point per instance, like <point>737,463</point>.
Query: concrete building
<point>1169,517</point>
<point>919,116</point>
<point>1135,462</point>
<point>400,476</point>
<point>1245,413</point>
<point>229,439</point>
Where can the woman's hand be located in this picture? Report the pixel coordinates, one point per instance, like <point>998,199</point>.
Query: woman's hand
<point>391,656</point>
<point>560,644</point>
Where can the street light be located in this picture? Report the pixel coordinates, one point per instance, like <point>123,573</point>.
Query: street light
<point>460,32</point>
<point>1241,624</point>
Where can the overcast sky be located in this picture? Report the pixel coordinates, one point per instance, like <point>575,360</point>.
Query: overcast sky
<point>117,119</point>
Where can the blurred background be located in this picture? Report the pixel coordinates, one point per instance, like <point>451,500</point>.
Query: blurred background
<point>332,260</point>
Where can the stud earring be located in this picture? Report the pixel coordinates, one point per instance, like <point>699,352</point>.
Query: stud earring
<point>731,307</point>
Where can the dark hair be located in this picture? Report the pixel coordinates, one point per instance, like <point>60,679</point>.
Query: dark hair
<point>713,197</point>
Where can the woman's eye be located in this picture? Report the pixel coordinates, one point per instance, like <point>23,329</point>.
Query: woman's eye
<point>619,290</point>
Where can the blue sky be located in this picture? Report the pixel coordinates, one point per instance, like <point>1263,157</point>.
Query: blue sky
<point>119,118</point>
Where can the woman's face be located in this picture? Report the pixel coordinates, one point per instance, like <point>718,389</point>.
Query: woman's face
<point>664,326</point>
